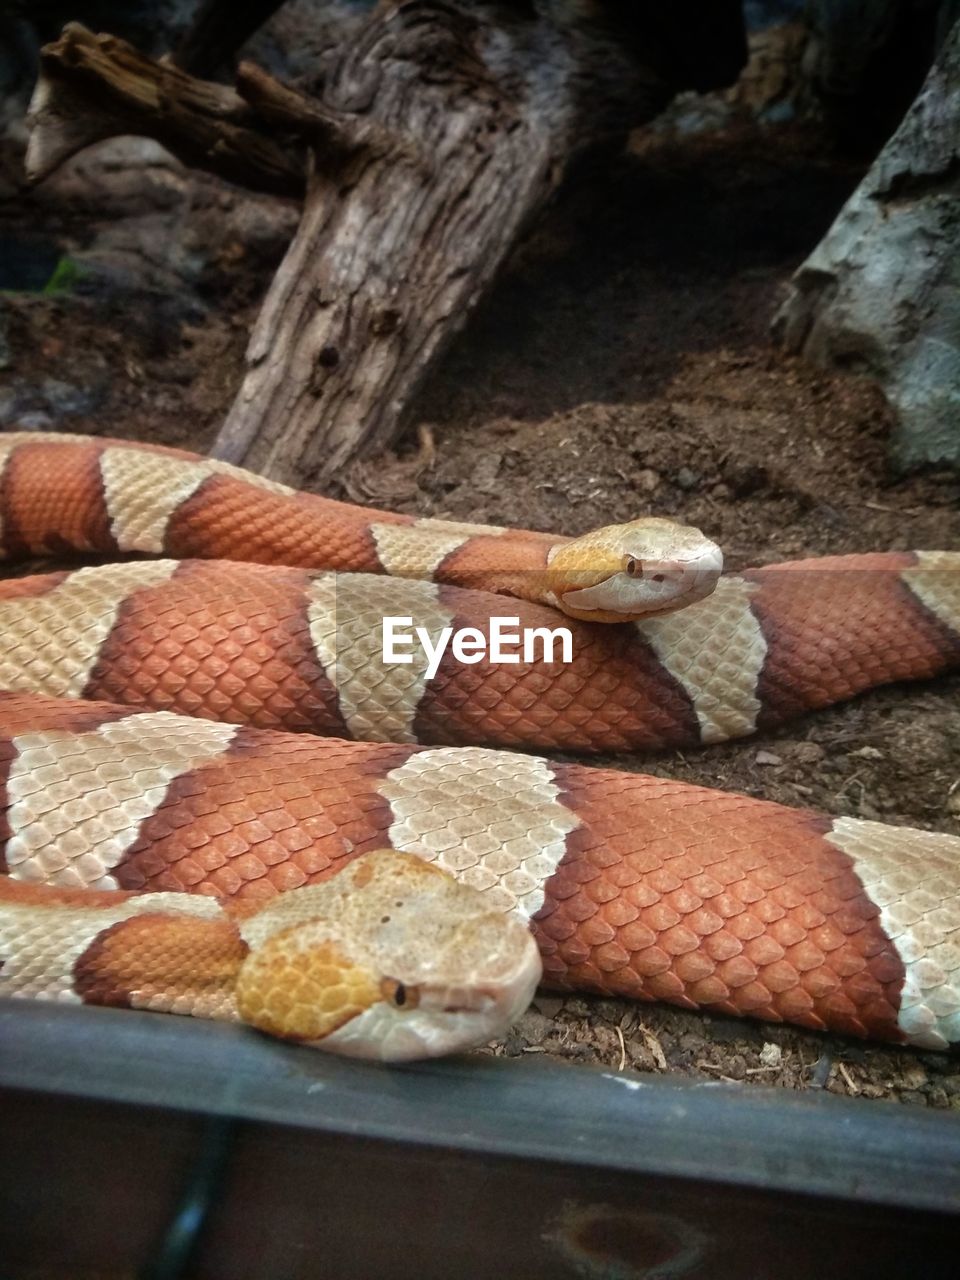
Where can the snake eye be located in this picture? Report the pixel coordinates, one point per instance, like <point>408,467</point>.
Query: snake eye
<point>632,566</point>
<point>398,994</point>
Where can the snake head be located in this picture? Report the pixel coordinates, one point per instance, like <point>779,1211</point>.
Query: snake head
<point>625,572</point>
<point>391,959</point>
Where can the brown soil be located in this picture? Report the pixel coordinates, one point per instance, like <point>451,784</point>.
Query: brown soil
<point>622,366</point>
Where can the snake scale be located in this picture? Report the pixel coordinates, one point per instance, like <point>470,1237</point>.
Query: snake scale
<point>147,833</point>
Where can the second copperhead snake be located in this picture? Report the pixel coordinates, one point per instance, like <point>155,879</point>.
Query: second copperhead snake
<point>633,885</point>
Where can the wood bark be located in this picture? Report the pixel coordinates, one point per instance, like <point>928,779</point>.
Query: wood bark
<point>93,87</point>
<point>881,292</point>
<point>434,134</point>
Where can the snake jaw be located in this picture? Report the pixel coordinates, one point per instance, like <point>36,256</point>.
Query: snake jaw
<point>391,959</point>
<point>447,1018</point>
<point>629,572</point>
<point>644,588</point>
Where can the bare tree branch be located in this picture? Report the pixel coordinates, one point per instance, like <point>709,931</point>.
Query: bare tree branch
<point>93,87</point>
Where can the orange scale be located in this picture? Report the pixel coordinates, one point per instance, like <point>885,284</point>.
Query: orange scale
<point>737,971</point>
<point>841,1010</point>
<point>713,991</point>
<point>601,891</point>
<point>620,912</point>
<point>704,922</point>
<point>286,876</point>
<point>880,1016</point>
<point>683,900</point>
<point>667,986</point>
<point>584,871</point>
<point>194,836</point>
<point>562,887</point>
<point>795,1004</point>
<point>766,910</point>
<point>887,966</point>
<point>271,852</point>
<point>726,905</point>
<point>610,957</point>
<point>804,956</point>
<point>763,950</point>
<point>557,927</point>
<point>586,976</point>
<point>604,857</point>
<point>754,998</point>
<point>820,983</point>
<point>147,864</point>
<point>189,872</point>
<point>779,977</point>
<point>852,917</point>
<point>596,932</point>
<point>679,940</point>
<point>249,866</point>
<point>747,891</point>
<point>232,845</point>
<point>210,858</point>
<point>579,907</point>
<point>708,888</point>
<point>574,950</point>
<point>721,946</point>
<point>789,895</point>
<point>294,840</point>
<point>863,987</point>
<point>787,931</point>
<point>694,967</point>
<point>847,962</point>
<point>808,917</point>
<point>302,808</point>
<point>827,937</point>
<point>635,935</point>
<point>663,880</point>
<point>641,895</point>
<point>256,891</point>
<point>649,962</point>
<point>659,917</point>
<point>745,926</point>
<point>237,812</point>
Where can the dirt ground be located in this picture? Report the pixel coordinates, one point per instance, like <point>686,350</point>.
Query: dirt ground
<point>621,366</point>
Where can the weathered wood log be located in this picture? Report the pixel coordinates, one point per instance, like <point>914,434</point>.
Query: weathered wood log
<point>438,130</point>
<point>880,291</point>
<point>393,251</point>
<point>93,87</point>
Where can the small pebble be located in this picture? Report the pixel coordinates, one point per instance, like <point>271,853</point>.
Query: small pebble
<point>35,421</point>
<point>808,753</point>
<point>687,479</point>
<point>768,758</point>
<point>646,480</point>
<point>771,1055</point>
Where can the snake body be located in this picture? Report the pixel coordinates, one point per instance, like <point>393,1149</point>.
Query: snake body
<point>290,649</point>
<point>633,885</point>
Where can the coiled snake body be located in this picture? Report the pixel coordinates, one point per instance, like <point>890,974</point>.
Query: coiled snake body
<point>633,885</point>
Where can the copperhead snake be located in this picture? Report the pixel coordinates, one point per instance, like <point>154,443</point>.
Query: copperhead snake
<point>145,844</point>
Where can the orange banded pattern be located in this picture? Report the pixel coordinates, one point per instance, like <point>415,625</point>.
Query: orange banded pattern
<point>77,493</point>
<point>638,886</point>
<point>284,648</point>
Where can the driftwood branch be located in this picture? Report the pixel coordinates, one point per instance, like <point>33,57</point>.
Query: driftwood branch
<point>93,87</point>
<point>435,133</point>
<point>330,134</point>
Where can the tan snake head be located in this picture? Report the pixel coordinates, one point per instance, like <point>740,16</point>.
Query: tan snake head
<point>625,572</point>
<point>391,959</point>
